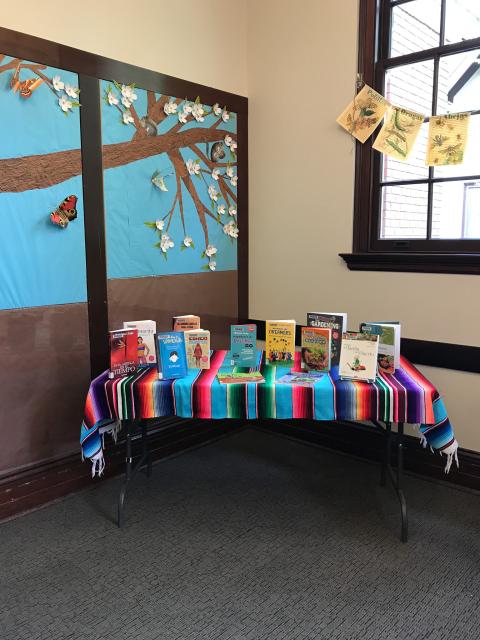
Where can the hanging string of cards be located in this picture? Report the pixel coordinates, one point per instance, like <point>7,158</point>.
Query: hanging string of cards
<point>447,134</point>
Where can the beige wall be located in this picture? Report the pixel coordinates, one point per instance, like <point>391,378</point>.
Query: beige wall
<point>199,41</point>
<point>301,74</point>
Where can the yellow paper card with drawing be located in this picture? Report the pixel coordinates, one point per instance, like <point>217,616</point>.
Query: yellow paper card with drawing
<point>447,137</point>
<point>399,132</point>
<point>363,114</point>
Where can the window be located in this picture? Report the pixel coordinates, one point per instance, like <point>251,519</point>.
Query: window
<point>423,55</point>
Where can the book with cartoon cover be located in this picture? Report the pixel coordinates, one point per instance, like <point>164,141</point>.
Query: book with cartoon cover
<point>280,342</point>
<point>358,356</point>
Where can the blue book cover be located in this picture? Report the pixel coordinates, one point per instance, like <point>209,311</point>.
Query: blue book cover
<point>172,356</point>
<point>243,345</point>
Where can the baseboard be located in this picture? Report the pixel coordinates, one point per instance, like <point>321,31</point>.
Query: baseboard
<point>367,442</point>
<point>31,489</point>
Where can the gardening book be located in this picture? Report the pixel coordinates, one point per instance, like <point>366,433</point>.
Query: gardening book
<point>185,323</point>
<point>123,352</point>
<point>337,322</point>
<point>302,379</point>
<point>388,344</point>
<point>316,348</point>
<point>280,342</point>
<point>145,341</point>
<point>358,356</point>
<point>197,344</point>
<point>243,345</point>
<point>243,378</point>
<point>171,355</point>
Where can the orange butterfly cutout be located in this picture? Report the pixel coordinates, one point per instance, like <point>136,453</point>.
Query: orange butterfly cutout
<point>65,212</point>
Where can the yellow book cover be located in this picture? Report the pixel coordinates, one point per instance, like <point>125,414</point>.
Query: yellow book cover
<point>197,344</point>
<point>280,341</point>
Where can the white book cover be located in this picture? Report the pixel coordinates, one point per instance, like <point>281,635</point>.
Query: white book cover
<point>390,341</point>
<point>146,340</point>
<point>358,356</point>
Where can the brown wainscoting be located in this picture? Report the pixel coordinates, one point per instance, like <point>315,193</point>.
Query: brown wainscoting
<point>444,355</point>
<point>44,377</point>
<point>213,296</point>
<point>23,492</point>
<point>366,442</point>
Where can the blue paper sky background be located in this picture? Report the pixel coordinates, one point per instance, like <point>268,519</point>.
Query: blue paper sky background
<point>131,200</point>
<point>40,263</point>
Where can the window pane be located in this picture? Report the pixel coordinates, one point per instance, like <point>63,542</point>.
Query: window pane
<point>459,82</point>
<point>411,86</point>
<point>456,210</point>
<point>414,168</point>
<point>471,159</point>
<point>404,211</point>
<point>415,27</point>
<point>462,20</point>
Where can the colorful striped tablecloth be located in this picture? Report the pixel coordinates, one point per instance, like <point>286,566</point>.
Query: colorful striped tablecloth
<point>407,396</point>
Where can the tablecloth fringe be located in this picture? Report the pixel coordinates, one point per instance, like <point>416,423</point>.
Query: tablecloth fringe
<point>452,454</point>
<point>98,464</point>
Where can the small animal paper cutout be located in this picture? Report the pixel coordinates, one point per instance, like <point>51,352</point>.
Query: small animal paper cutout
<point>363,114</point>
<point>65,212</point>
<point>399,132</point>
<point>447,137</point>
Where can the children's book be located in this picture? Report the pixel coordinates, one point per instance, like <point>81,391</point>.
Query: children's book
<point>171,355</point>
<point>280,342</point>
<point>302,379</point>
<point>186,323</point>
<point>197,343</point>
<point>235,378</point>
<point>358,356</point>
<point>145,340</point>
<point>337,322</point>
<point>316,348</point>
<point>243,345</point>
<point>388,343</point>
<point>123,352</point>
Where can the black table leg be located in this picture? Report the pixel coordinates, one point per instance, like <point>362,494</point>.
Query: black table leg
<point>395,478</point>
<point>130,470</point>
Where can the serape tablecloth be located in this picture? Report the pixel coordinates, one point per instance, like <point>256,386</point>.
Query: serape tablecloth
<point>406,396</point>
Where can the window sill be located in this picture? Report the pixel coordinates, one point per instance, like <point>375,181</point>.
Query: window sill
<point>466,263</point>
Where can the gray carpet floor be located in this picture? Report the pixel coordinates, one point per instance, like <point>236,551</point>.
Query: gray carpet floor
<point>252,537</point>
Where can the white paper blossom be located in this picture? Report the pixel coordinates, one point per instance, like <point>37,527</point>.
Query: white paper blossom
<point>198,112</point>
<point>170,107</point>
<point>65,104</point>
<point>233,181</point>
<point>210,251</point>
<point>233,146</point>
<point>221,209</point>
<point>127,117</point>
<point>193,167</point>
<point>159,224</point>
<point>72,92</point>
<point>217,109</point>
<point>58,85</point>
<point>228,140</point>
<point>213,193</point>
<point>126,102</point>
<point>182,116</point>
<point>128,93</point>
<point>215,174</point>
<point>112,98</point>
<point>225,116</point>
<point>166,242</point>
<point>232,211</point>
<point>230,172</point>
<point>212,265</point>
<point>187,107</point>
<point>187,241</point>
<point>231,229</point>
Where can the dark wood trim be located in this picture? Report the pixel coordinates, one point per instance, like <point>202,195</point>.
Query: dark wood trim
<point>467,263</point>
<point>38,486</point>
<point>95,245</point>
<point>53,54</point>
<point>366,442</point>
<point>444,355</point>
<point>242,214</point>
<point>369,252</point>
